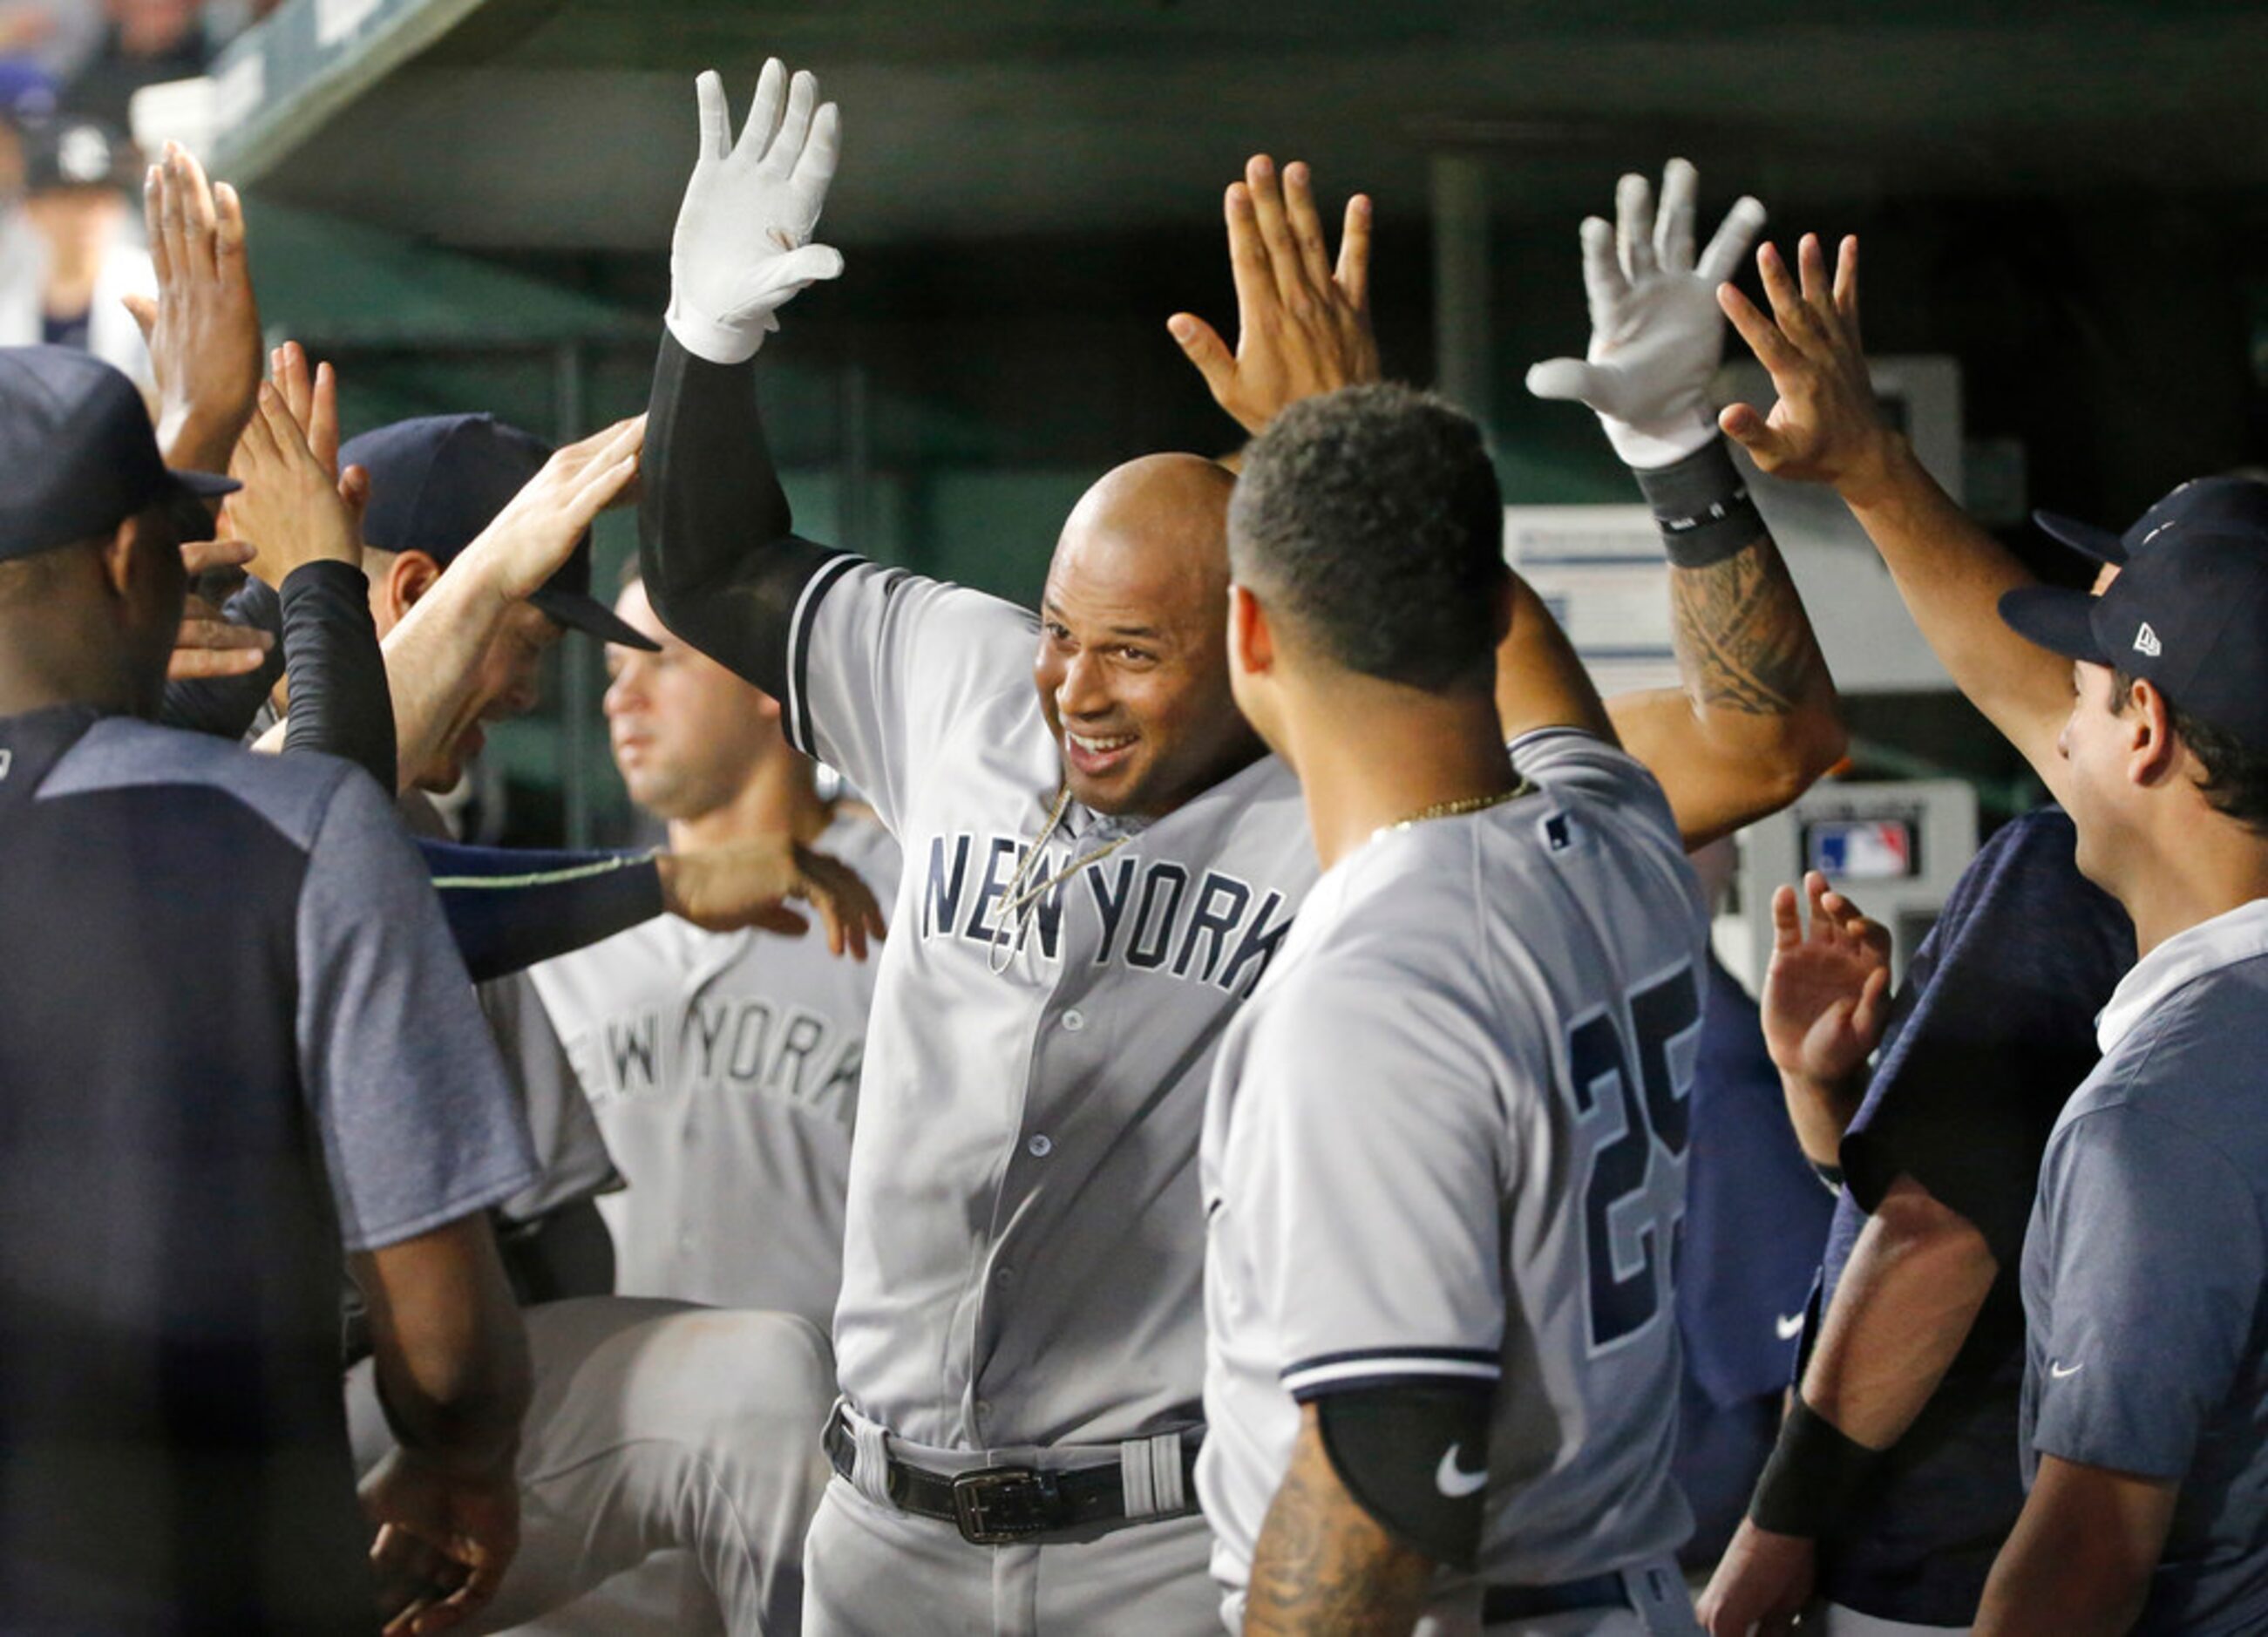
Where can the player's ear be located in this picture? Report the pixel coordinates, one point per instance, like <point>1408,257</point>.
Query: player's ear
<point>409,577</point>
<point>2152,751</point>
<point>1251,643</point>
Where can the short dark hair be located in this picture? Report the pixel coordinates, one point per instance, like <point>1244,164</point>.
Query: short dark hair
<point>1372,516</point>
<point>2235,776</point>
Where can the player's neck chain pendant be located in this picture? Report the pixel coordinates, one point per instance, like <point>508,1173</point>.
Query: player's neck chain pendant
<point>1457,809</point>
<point>1020,903</point>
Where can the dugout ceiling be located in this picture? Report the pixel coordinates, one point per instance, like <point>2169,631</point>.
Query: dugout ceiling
<point>569,123</point>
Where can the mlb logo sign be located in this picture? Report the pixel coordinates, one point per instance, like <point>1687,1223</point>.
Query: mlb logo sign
<point>1861,849</point>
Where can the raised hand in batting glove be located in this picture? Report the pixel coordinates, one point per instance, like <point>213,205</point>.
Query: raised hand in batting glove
<point>1656,332</point>
<point>742,246</point>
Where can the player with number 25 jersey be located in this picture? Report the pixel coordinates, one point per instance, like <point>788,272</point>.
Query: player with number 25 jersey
<point>1446,1152</point>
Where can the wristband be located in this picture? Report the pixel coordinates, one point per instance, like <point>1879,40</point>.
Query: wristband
<point>1814,1475</point>
<point>1702,506</point>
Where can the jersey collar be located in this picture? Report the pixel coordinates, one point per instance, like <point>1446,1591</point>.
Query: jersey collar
<point>2234,935</point>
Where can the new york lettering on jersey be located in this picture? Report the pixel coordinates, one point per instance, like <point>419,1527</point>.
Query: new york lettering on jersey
<point>1217,929</point>
<point>727,1046</point>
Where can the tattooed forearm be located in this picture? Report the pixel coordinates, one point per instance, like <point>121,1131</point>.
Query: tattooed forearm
<point>1743,641</point>
<point>1323,1568</point>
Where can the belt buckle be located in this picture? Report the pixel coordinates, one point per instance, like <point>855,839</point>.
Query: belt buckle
<point>998,1506</point>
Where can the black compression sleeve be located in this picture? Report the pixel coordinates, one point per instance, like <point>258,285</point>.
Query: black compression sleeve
<point>339,702</point>
<point>225,705</point>
<point>720,566</point>
<point>510,907</point>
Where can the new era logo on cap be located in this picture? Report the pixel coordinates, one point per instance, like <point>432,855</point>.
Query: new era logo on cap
<point>2189,613</point>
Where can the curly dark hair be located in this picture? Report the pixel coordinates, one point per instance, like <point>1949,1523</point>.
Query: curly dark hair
<point>1371,516</point>
<point>2234,779</point>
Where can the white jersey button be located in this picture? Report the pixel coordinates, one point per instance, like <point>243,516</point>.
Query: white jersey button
<point>1041,1146</point>
<point>1074,1019</point>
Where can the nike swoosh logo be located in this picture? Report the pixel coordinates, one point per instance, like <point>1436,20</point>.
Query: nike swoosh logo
<point>1790,1325</point>
<point>2061,1374</point>
<point>1454,1481</point>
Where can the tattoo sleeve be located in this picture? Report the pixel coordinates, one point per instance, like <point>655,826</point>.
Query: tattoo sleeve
<point>1744,642</point>
<point>1323,1567</point>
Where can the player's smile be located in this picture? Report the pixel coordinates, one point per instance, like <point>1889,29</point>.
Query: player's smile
<point>1099,755</point>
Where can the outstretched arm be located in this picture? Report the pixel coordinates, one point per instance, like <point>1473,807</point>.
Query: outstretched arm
<point>1756,719</point>
<point>433,656</point>
<point>720,563</point>
<point>1825,429</point>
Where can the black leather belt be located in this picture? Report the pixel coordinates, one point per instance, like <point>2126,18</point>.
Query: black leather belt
<point>998,1506</point>
<point>1503,1604</point>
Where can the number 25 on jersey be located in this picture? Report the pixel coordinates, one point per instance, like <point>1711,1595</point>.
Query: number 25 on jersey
<point>1633,1105</point>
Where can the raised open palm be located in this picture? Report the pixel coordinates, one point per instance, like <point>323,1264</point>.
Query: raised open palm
<point>1827,991</point>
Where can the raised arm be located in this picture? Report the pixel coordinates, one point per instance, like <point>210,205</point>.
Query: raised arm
<point>1825,428</point>
<point>310,549</point>
<point>714,543</point>
<point>433,656</point>
<point>1754,720</point>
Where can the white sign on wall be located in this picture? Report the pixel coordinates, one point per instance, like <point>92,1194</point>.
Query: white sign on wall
<point>1600,570</point>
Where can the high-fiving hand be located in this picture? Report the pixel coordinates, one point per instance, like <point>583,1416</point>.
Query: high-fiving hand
<point>535,533</point>
<point>1827,991</point>
<point>742,246</point>
<point>1302,324</point>
<point>1826,426</point>
<point>1656,333</point>
<point>203,326</point>
<point>289,506</point>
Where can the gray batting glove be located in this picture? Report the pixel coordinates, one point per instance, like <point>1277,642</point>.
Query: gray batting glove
<point>742,248</point>
<point>1656,332</point>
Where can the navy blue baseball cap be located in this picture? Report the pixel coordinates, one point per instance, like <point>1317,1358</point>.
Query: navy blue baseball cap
<point>438,481</point>
<point>77,456</point>
<point>74,151</point>
<point>2190,614</point>
<point>2201,503</point>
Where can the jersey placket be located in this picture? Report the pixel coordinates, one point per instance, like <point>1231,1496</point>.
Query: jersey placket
<point>1064,1049</point>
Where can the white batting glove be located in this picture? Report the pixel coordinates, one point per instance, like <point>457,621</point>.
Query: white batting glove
<point>742,246</point>
<point>1656,332</point>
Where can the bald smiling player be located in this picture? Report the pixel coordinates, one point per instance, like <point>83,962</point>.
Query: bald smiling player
<point>1099,869</point>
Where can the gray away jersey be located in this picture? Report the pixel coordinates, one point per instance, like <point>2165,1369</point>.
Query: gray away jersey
<point>1447,1140</point>
<point>723,1070</point>
<point>1023,1240</point>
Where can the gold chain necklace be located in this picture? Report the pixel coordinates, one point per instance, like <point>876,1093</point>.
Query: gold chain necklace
<point>1019,904</point>
<point>1458,808</point>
